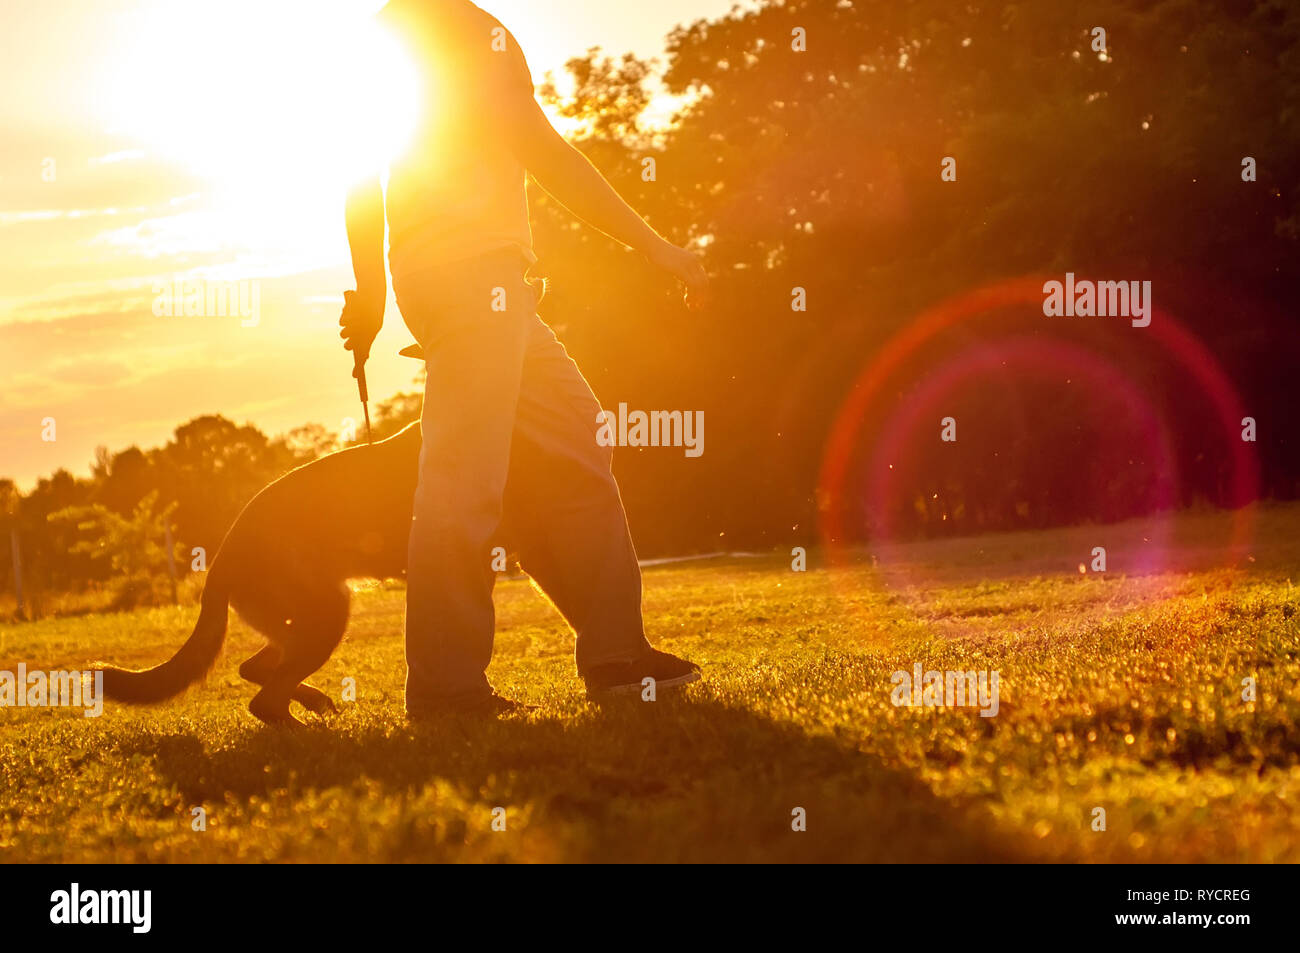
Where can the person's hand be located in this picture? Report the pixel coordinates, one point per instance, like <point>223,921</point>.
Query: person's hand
<point>688,269</point>
<point>362,317</point>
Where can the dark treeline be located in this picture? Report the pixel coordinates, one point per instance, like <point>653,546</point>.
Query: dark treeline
<point>820,169</point>
<point>110,527</point>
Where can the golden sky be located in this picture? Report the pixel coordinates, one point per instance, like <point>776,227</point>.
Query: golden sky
<point>145,142</point>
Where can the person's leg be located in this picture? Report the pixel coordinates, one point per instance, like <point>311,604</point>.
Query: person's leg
<point>563,509</point>
<point>474,354</point>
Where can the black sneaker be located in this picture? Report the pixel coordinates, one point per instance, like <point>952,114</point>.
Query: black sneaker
<point>624,678</point>
<point>491,705</point>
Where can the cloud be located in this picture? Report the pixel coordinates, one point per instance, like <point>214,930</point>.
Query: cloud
<point>122,155</point>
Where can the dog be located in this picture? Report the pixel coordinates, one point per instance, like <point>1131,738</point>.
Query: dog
<point>284,567</point>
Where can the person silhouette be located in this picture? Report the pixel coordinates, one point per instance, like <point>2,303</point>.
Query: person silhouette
<point>508,424</point>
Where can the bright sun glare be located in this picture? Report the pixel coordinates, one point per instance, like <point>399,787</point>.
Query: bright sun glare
<point>279,106</point>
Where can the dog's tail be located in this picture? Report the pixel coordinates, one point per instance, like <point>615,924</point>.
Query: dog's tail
<point>189,664</point>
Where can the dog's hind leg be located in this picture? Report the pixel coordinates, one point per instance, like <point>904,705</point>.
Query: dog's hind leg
<point>260,668</point>
<point>316,630</point>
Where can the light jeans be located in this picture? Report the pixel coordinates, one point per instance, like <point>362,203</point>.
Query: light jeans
<point>509,450</point>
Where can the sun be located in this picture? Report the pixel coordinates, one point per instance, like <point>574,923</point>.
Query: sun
<point>278,106</point>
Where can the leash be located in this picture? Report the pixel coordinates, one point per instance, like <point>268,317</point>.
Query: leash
<point>359,372</point>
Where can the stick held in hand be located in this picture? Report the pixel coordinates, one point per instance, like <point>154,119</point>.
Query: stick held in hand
<point>359,372</point>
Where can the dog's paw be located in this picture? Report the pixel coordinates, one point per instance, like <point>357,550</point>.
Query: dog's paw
<point>314,700</point>
<point>282,721</point>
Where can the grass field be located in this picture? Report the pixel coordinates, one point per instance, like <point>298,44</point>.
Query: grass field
<point>1116,691</point>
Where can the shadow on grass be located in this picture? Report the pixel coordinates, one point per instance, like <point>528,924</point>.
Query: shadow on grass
<point>684,779</point>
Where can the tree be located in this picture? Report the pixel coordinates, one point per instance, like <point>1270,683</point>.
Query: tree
<point>132,546</point>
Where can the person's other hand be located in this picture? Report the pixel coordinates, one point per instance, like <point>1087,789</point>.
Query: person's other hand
<point>362,317</point>
<point>688,269</point>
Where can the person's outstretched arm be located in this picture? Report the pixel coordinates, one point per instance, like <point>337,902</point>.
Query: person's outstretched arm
<point>568,176</point>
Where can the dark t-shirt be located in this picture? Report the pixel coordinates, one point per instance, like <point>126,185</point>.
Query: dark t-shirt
<point>457,190</point>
